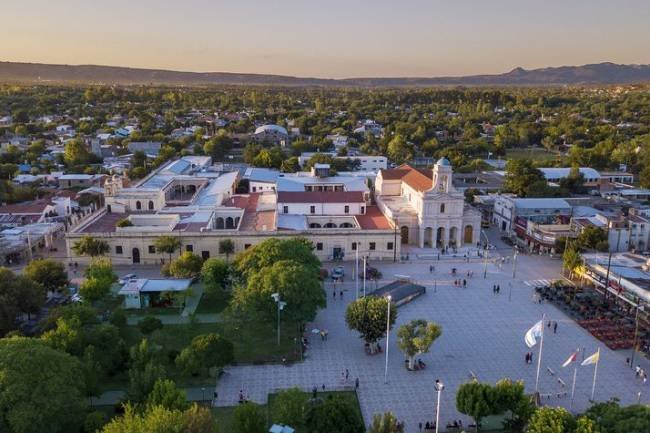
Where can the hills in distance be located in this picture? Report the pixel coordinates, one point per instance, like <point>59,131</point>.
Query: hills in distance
<point>592,74</point>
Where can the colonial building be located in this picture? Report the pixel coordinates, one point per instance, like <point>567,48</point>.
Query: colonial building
<point>426,207</point>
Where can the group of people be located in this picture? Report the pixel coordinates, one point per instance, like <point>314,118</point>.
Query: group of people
<point>529,357</point>
<point>496,289</point>
<point>323,334</point>
<point>641,373</point>
<point>460,283</point>
<point>334,293</point>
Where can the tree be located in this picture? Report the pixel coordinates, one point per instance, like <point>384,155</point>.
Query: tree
<point>89,246</point>
<point>585,425</point>
<point>18,294</point>
<point>93,289</point>
<point>289,408</point>
<point>574,182</point>
<point>416,337</point>
<point>521,175</point>
<point>386,423</point>
<point>204,352</point>
<point>336,414</point>
<point>37,385</point>
<point>48,273</point>
<point>572,259</point>
<point>551,420</point>
<point>76,153</point>
<point>166,394</point>
<point>199,419</point>
<point>144,371</point>
<point>296,284</point>
<point>610,417</point>
<point>248,418</point>
<point>156,419</point>
<point>291,165</point>
<point>398,150</point>
<point>227,247</point>
<point>368,316</point>
<point>218,146</point>
<point>167,245</point>
<point>188,265</point>
<point>475,399</point>
<point>149,324</point>
<point>214,274</point>
<point>593,238</point>
<point>274,250</point>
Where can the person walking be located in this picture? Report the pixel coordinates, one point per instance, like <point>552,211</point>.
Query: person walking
<point>356,383</point>
<point>530,358</point>
<point>334,293</point>
<point>554,327</point>
<point>347,374</point>
<point>464,283</point>
<point>341,294</point>
<point>420,426</point>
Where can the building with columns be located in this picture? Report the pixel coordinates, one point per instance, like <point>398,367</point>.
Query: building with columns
<point>424,204</point>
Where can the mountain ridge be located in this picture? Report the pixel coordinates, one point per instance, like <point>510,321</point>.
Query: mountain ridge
<point>605,73</point>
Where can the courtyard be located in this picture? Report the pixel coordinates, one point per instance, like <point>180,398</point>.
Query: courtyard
<point>483,336</point>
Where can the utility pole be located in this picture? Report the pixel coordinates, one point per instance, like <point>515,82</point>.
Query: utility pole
<point>514,264</point>
<point>395,241</point>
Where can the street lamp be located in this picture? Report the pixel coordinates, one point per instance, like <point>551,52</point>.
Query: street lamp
<point>281,305</point>
<point>636,329</point>
<point>387,339</point>
<point>439,387</point>
<point>514,263</point>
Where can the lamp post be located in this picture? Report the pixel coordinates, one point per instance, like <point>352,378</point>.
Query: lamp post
<point>439,387</point>
<point>514,264</point>
<point>387,339</point>
<point>395,241</point>
<point>636,330</point>
<point>281,305</point>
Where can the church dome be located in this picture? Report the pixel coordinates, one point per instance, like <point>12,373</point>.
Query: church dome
<point>443,161</point>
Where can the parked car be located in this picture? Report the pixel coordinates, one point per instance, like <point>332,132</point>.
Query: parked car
<point>338,273</point>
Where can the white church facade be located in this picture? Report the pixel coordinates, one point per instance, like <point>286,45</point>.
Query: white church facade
<point>428,210</point>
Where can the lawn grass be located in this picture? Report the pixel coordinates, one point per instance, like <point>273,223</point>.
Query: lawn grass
<point>224,415</point>
<point>535,153</point>
<point>213,302</point>
<point>155,311</point>
<point>254,342</point>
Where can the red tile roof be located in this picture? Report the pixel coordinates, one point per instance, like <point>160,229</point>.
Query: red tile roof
<point>418,179</point>
<point>373,219</point>
<point>320,197</point>
<point>32,207</point>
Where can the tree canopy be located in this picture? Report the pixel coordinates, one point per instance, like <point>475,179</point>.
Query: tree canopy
<point>368,316</point>
<point>48,273</point>
<point>416,337</point>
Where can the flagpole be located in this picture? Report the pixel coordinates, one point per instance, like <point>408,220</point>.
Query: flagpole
<point>356,271</point>
<point>539,357</point>
<point>593,386</point>
<point>575,373</point>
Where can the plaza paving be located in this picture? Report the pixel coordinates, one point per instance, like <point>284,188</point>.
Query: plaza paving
<point>482,333</point>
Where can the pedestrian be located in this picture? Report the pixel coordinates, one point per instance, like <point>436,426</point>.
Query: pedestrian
<point>334,293</point>
<point>314,392</point>
<point>326,333</point>
<point>637,369</point>
<point>341,294</point>
<point>420,426</point>
<point>627,361</point>
<point>530,358</point>
<point>430,269</point>
<point>554,327</point>
<point>526,357</point>
<point>347,374</point>
<point>323,387</point>
<point>498,289</point>
<point>427,426</point>
<point>464,282</point>
<point>356,383</point>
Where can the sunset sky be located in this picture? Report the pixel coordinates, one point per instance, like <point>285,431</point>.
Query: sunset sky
<point>327,38</point>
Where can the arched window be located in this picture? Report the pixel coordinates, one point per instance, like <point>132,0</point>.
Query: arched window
<point>314,226</point>
<point>346,225</point>
<point>230,223</point>
<point>330,225</point>
<point>220,224</point>
<point>442,208</point>
<point>138,205</point>
<point>150,205</point>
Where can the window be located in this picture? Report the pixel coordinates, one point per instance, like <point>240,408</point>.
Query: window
<point>150,205</point>
<point>254,189</point>
<point>363,209</point>
<point>118,249</point>
<point>312,209</point>
<point>189,248</point>
<point>285,209</point>
<point>205,255</point>
<point>354,246</point>
<point>389,246</point>
<point>319,246</point>
<point>138,205</point>
<point>346,209</point>
<point>152,249</point>
<point>372,246</point>
<point>442,208</point>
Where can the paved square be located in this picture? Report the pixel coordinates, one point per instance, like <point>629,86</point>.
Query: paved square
<point>481,332</point>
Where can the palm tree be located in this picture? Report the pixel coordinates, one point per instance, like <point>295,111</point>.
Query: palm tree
<point>227,247</point>
<point>89,246</point>
<point>167,244</point>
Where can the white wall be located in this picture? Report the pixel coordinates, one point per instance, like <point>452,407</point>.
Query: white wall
<point>322,208</point>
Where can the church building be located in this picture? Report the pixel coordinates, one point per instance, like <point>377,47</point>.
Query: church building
<point>424,204</point>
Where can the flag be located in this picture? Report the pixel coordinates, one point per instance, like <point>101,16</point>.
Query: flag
<point>593,359</point>
<point>571,359</point>
<point>533,333</point>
